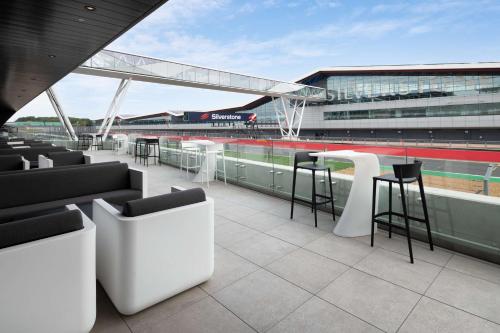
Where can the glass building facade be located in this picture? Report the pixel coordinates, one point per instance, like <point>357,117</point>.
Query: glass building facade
<point>443,94</point>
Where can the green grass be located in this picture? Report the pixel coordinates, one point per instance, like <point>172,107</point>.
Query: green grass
<point>282,159</point>
<point>337,166</point>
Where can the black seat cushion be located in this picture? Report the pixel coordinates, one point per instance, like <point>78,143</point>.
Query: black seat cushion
<point>118,197</point>
<point>312,166</point>
<point>163,202</point>
<point>57,184</point>
<point>66,157</point>
<point>11,162</point>
<point>40,227</point>
<point>31,154</point>
<point>390,177</point>
<point>61,167</point>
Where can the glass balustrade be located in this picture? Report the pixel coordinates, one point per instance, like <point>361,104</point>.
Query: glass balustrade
<point>462,185</point>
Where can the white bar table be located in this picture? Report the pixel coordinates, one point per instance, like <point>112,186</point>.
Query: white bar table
<point>208,159</point>
<point>356,217</point>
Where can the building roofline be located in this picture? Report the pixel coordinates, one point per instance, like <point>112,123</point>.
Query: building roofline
<point>378,69</point>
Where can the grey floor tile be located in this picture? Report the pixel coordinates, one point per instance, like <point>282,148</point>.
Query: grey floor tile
<point>228,268</point>
<point>219,220</point>
<point>108,320</point>
<point>432,316</point>
<point>325,220</point>
<point>261,202</point>
<point>296,233</point>
<point>376,301</point>
<point>231,232</point>
<point>206,316</point>
<point>399,244</point>
<point>471,294</point>
<point>238,212</point>
<point>476,267</point>
<point>263,221</point>
<point>307,269</point>
<point>345,250</point>
<point>145,320</point>
<point>262,299</point>
<point>397,269</point>
<point>283,210</point>
<point>319,316</point>
<point>261,249</point>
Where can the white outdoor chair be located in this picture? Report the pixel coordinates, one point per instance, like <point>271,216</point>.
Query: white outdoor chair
<point>190,151</point>
<point>145,258</point>
<point>48,285</point>
<point>215,152</point>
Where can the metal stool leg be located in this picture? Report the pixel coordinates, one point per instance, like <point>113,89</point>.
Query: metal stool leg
<point>224,166</point>
<point>374,202</point>
<point>426,213</point>
<point>293,190</point>
<point>407,222</point>
<point>315,208</point>
<point>331,193</point>
<point>390,209</point>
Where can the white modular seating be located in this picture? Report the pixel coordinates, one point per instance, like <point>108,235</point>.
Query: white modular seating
<point>26,164</point>
<point>45,162</point>
<point>49,285</point>
<point>146,259</point>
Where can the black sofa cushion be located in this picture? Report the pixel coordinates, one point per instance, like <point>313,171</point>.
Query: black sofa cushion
<point>13,172</point>
<point>118,197</point>
<point>35,228</point>
<point>66,157</point>
<point>163,202</point>
<point>57,184</point>
<point>31,154</point>
<point>11,162</point>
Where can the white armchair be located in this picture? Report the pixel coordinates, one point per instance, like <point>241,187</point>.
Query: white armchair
<point>145,259</point>
<point>48,285</point>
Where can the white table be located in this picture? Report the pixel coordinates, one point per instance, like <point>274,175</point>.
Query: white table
<point>209,158</point>
<point>356,217</point>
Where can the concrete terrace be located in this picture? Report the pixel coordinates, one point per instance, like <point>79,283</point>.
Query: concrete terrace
<point>273,274</point>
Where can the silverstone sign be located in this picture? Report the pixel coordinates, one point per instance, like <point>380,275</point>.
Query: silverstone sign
<point>211,117</point>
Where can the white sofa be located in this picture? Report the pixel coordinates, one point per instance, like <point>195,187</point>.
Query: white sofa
<point>49,285</point>
<point>145,259</point>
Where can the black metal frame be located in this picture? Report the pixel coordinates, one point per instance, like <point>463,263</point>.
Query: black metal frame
<point>98,144</point>
<point>314,203</point>
<point>143,150</point>
<point>375,217</point>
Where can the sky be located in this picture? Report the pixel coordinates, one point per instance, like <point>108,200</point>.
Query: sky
<point>282,40</point>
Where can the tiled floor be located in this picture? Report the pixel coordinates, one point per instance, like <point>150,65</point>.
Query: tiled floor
<point>278,275</point>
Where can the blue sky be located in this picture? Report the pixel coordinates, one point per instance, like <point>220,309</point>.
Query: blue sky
<point>282,40</point>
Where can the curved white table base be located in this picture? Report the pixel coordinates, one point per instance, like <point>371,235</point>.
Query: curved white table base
<point>356,217</point>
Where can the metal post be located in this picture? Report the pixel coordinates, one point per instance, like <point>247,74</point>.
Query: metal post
<point>487,176</point>
<point>61,115</point>
<point>114,108</point>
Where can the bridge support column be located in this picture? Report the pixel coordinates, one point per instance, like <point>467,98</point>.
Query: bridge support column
<point>114,108</point>
<point>289,116</point>
<point>61,115</point>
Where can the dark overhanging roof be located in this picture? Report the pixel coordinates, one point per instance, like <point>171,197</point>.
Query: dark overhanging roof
<point>43,41</point>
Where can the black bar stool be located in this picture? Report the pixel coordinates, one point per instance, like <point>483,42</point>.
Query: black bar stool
<point>98,143</point>
<point>84,141</point>
<point>139,149</point>
<point>299,163</point>
<point>403,174</point>
<point>150,145</point>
